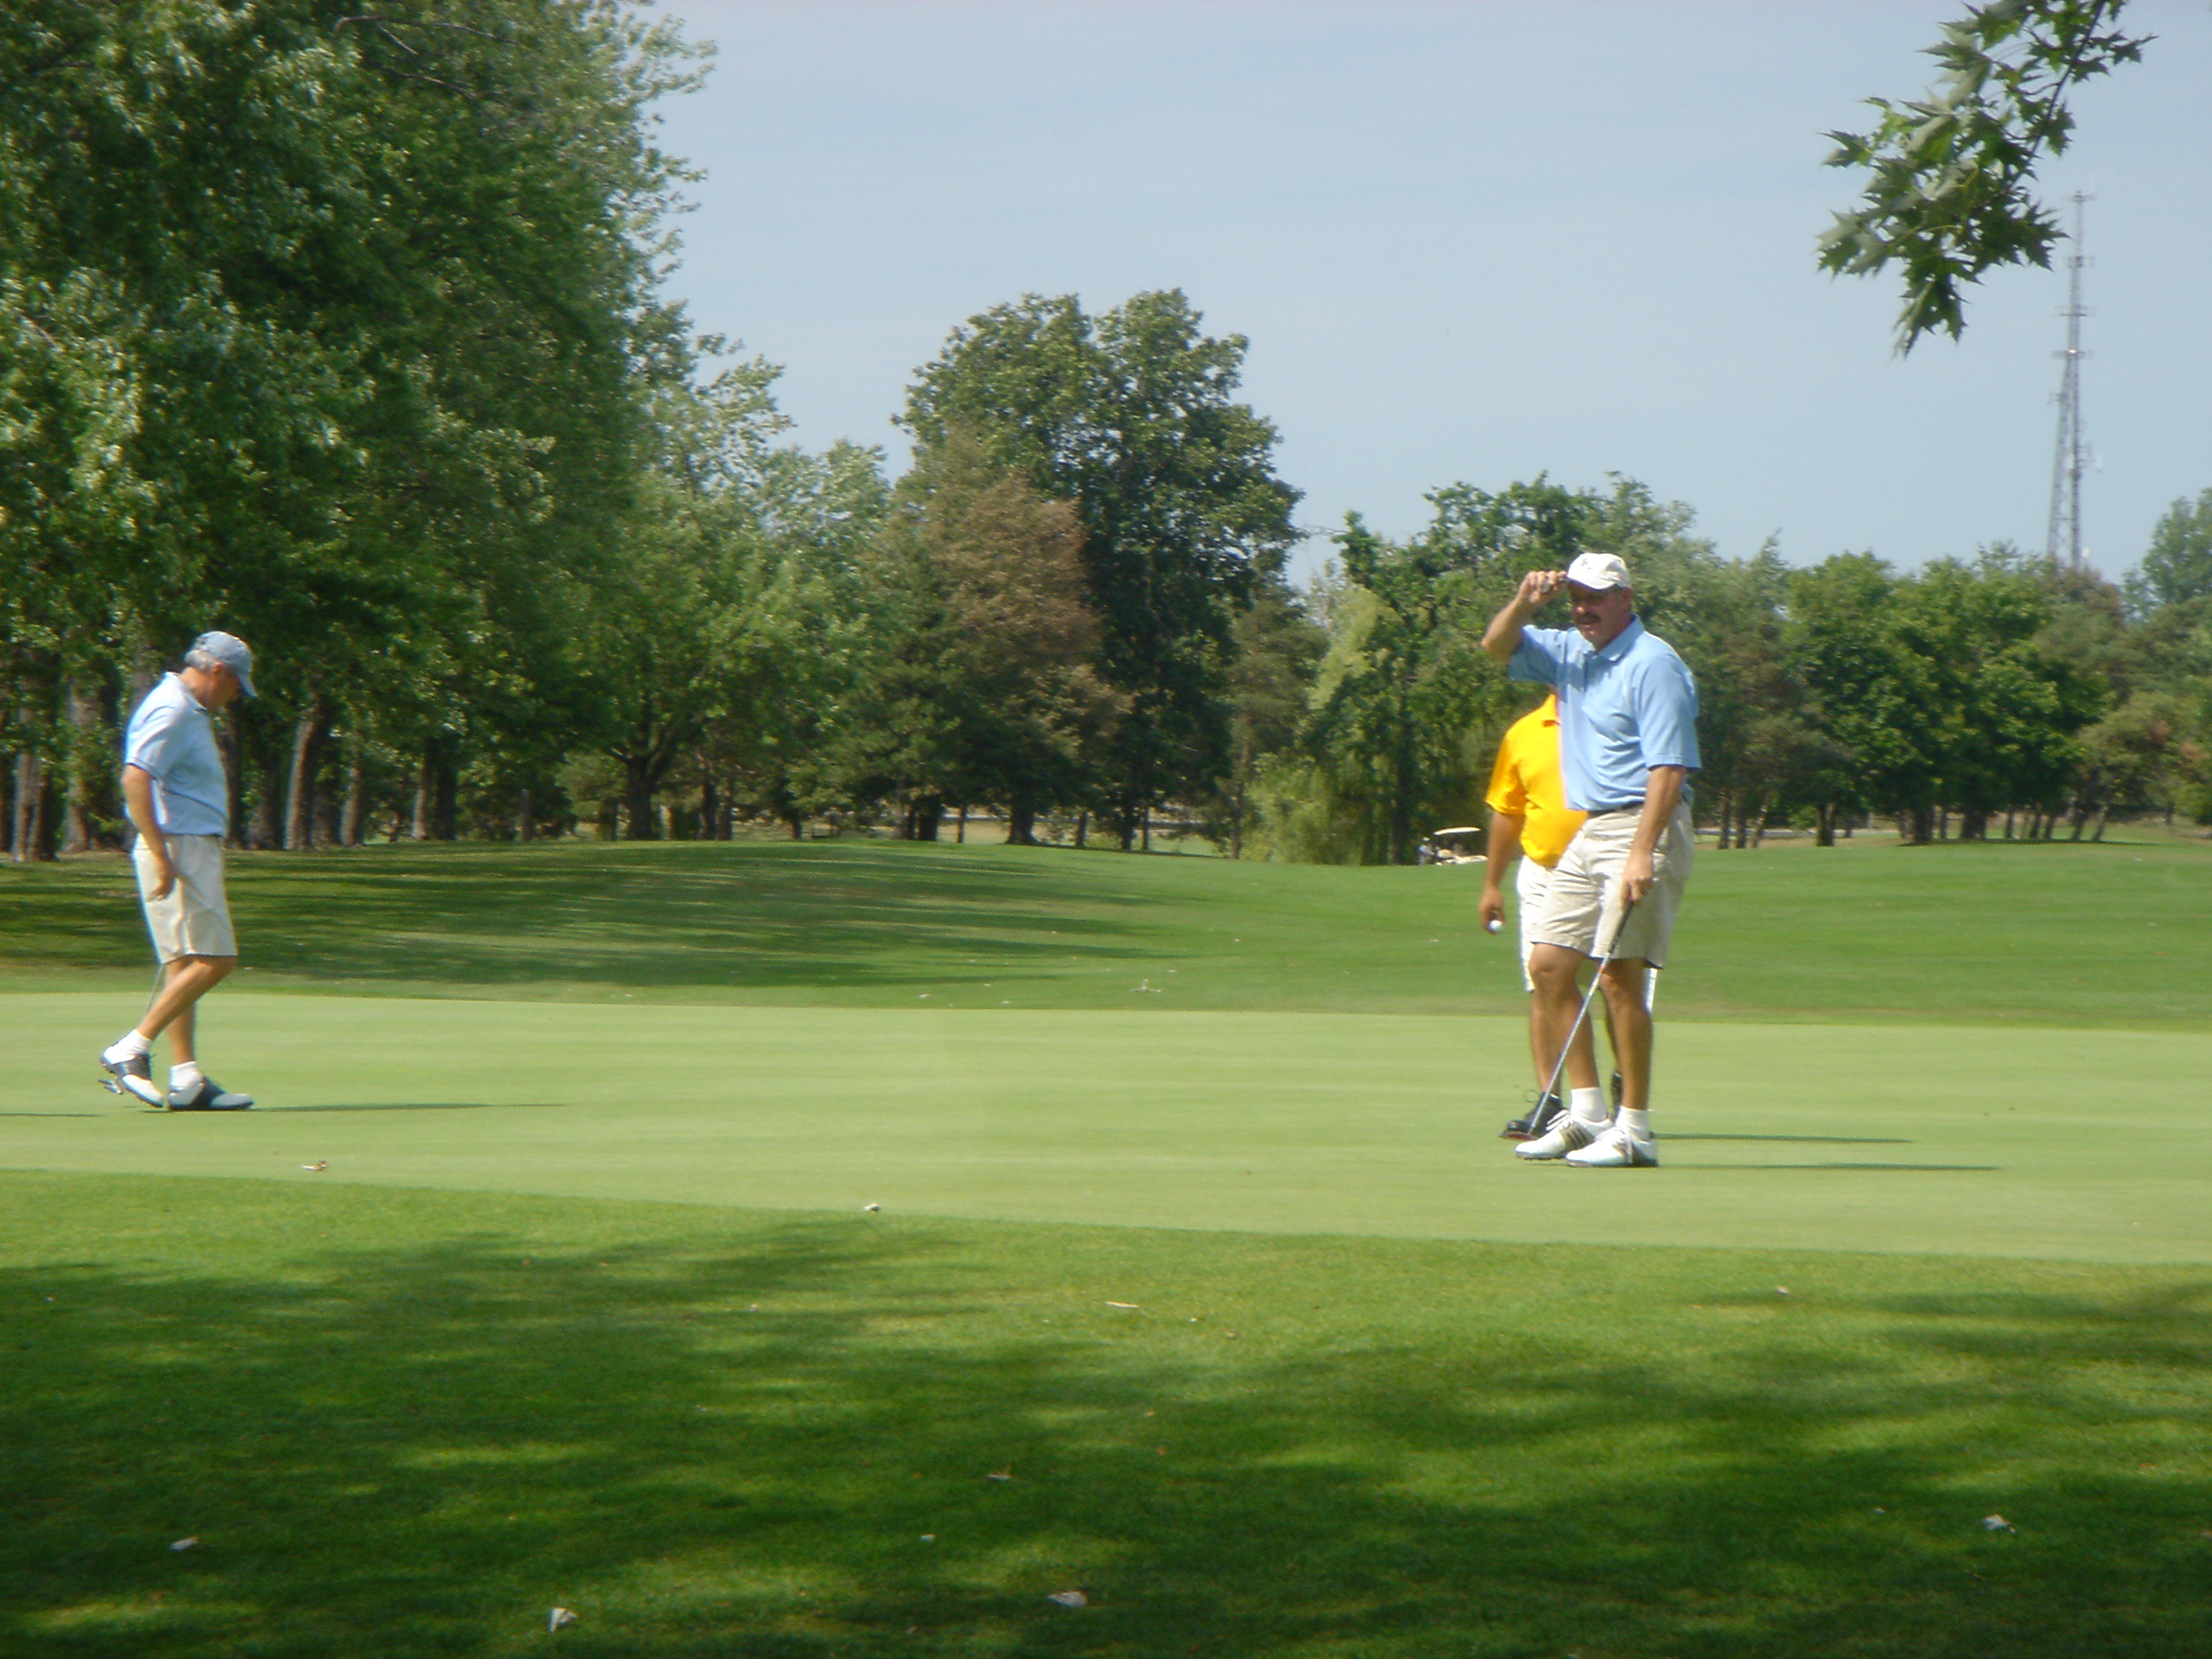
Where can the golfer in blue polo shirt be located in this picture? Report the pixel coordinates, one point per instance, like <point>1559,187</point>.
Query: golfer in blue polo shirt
<point>178,800</point>
<point>1628,742</point>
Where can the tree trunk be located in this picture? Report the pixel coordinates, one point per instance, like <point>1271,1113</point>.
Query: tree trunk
<point>46,818</point>
<point>1823,825</point>
<point>24,834</point>
<point>83,708</point>
<point>526,821</point>
<point>642,823</point>
<point>1918,825</point>
<point>1082,828</point>
<point>264,829</point>
<point>446,799</point>
<point>710,808</point>
<point>351,827</point>
<point>923,817</point>
<point>2103,811</point>
<point>1973,824</point>
<point>420,829</point>
<point>300,787</point>
<point>1021,825</point>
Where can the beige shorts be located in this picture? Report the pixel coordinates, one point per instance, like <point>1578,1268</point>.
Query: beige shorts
<point>194,920</point>
<point>1531,881</point>
<point>1581,900</point>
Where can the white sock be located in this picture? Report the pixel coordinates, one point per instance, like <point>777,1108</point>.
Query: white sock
<point>187,1076</point>
<point>1637,1123</point>
<point>129,1046</point>
<point>1588,1104</point>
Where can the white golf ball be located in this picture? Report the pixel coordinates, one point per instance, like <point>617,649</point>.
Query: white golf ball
<point>1494,926</point>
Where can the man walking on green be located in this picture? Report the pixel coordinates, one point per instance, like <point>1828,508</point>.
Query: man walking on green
<point>179,801</point>
<point>1628,742</point>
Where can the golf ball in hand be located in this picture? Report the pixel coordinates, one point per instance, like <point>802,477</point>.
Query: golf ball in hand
<point>1494,924</point>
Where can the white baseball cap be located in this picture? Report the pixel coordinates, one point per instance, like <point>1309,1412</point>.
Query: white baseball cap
<point>1598,570</point>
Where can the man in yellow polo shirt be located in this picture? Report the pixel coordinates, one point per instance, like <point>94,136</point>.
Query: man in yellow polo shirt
<point>1530,825</point>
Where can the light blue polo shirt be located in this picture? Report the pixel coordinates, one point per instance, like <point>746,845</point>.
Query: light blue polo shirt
<point>1623,709</point>
<point>172,739</point>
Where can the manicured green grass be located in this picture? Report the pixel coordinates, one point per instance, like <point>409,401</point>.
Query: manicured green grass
<point>2113,935</point>
<point>1870,1138</point>
<point>466,1368</point>
<point>411,1424</point>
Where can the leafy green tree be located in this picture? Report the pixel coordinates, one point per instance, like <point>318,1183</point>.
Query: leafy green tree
<point>1279,649</point>
<point>987,691</point>
<point>2177,570</point>
<point>1871,697</point>
<point>331,329</point>
<point>1949,196</point>
<point>1938,688</point>
<point>1131,415</point>
<point>1399,692</point>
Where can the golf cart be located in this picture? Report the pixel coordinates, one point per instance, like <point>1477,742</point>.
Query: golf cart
<point>1453,846</point>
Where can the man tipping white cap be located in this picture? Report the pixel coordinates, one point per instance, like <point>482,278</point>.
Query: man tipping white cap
<point>1598,570</point>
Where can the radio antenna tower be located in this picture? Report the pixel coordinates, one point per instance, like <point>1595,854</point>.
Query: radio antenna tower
<point>2064,538</point>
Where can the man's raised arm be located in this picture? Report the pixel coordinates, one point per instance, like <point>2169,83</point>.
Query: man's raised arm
<point>1502,637</point>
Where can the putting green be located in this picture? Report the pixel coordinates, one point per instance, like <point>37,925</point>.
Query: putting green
<point>1897,1138</point>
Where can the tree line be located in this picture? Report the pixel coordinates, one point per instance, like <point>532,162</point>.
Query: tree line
<point>2001,694</point>
<point>347,331</point>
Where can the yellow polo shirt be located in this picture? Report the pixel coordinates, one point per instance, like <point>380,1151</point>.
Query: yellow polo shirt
<point>1526,781</point>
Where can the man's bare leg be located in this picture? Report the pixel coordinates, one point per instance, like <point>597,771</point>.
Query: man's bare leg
<point>190,978</point>
<point>1556,973</point>
<point>1583,1041</point>
<point>1630,1019</point>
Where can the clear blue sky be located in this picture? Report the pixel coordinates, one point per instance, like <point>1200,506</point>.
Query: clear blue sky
<point>1468,241</point>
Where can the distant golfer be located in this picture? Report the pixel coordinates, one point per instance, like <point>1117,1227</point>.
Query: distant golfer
<point>1628,742</point>
<point>174,789</point>
<point>1530,826</point>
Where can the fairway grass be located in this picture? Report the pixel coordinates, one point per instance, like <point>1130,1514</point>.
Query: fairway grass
<point>2113,935</point>
<point>409,1423</point>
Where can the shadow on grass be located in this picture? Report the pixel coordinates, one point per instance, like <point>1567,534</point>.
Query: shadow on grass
<point>760,915</point>
<point>736,1448</point>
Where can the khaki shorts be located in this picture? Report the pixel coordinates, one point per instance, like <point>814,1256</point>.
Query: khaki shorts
<point>1582,902</point>
<point>1531,881</point>
<point>194,920</point>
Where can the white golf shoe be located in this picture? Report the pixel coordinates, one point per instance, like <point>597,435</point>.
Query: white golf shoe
<point>1618,1147</point>
<point>1565,1136</point>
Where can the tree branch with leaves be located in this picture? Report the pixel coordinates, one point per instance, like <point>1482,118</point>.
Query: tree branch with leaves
<point>1949,198</point>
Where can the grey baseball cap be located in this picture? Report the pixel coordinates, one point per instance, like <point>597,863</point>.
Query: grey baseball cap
<point>231,652</point>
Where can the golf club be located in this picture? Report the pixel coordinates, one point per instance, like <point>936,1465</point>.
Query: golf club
<point>1551,1087</point>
